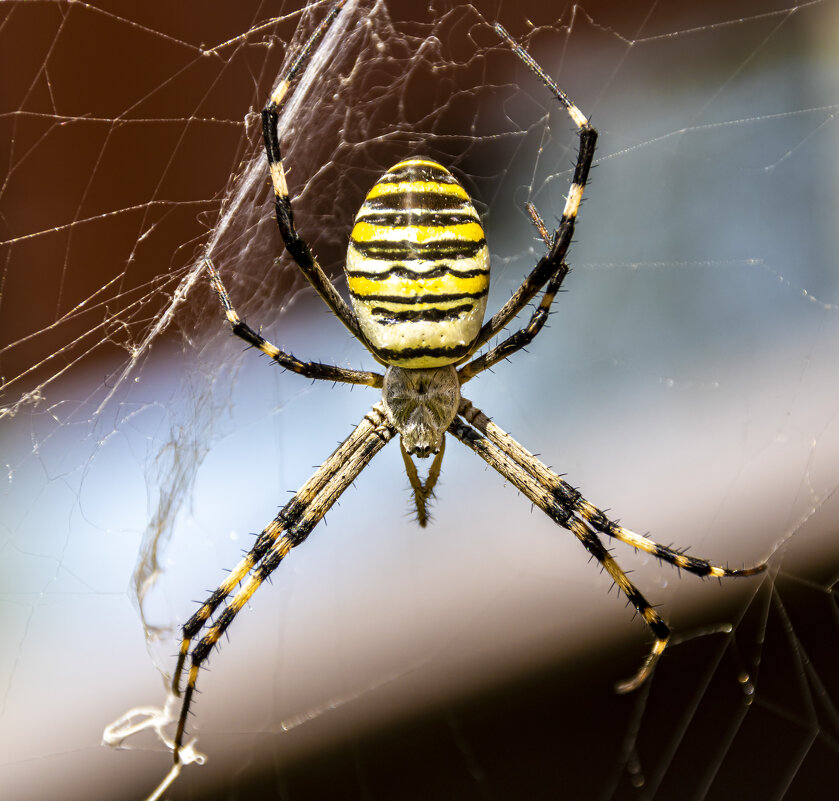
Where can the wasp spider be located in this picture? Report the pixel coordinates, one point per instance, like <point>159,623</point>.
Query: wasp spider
<point>418,274</point>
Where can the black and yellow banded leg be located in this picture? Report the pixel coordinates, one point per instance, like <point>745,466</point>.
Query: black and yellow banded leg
<point>699,567</point>
<point>295,245</point>
<point>566,506</point>
<point>521,338</point>
<point>289,516</point>
<point>530,486</point>
<point>552,263</point>
<point>575,502</point>
<point>290,528</point>
<point>593,544</point>
<point>315,370</point>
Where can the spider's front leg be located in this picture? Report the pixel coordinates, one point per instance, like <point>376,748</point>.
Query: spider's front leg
<point>551,268</point>
<point>295,245</point>
<point>521,338</point>
<point>552,264</point>
<point>566,506</point>
<point>288,529</point>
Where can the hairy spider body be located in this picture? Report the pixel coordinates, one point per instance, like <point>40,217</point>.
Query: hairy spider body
<point>418,271</point>
<point>418,267</point>
<point>421,405</point>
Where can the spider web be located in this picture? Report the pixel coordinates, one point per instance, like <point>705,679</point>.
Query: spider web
<point>687,381</point>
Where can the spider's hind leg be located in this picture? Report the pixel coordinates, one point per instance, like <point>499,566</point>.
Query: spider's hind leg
<point>288,529</point>
<point>566,506</point>
<point>546,500</point>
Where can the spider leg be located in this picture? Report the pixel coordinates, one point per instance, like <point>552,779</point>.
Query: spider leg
<point>566,506</point>
<point>553,262</point>
<point>288,529</point>
<point>521,338</point>
<point>590,513</point>
<point>315,370</point>
<point>289,516</point>
<point>423,491</point>
<point>295,245</point>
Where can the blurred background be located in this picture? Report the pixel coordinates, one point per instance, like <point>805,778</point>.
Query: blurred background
<point>686,382</point>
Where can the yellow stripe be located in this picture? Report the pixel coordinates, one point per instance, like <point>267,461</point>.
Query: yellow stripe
<point>402,187</point>
<point>572,203</point>
<point>365,232</point>
<point>419,163</point>
<point>408,287</point>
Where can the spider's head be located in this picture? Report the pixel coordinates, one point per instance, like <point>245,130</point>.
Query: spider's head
<point>421,405</point>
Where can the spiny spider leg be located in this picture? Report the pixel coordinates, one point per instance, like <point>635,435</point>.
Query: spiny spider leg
<point>288,529</point>
<point>241,329</point>
<point>538,222</point>
<point>297,247</point>
<point>590,513</point>
<point>552,263</point>
<point>522,338</point>
<point>566,506</point>
<point>288,517</point>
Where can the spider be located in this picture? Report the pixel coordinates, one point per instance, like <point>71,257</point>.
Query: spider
<point>418,274</point>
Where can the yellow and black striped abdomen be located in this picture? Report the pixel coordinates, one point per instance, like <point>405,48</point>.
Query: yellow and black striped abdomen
<point>418,267</point>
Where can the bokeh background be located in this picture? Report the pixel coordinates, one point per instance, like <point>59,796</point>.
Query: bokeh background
<point>687,382</point>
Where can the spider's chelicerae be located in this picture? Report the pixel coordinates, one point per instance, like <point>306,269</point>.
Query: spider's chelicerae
<point>418,274</point>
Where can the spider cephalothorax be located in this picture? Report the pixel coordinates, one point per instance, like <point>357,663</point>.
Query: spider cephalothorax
<point>421,405</point>
<point>418,271</point>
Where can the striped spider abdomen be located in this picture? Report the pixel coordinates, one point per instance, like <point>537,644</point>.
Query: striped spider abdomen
<point>418,267</point>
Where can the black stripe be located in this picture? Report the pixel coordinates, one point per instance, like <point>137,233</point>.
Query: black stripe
<point>659,627</point>
<point>224,619</point>
<point>588,139</point>
<point>392,355</point>
<point>401,218</point>
<point>591,542</point>
<point>414,299</point>
<point>389,317</point>
<point>404,250</point>
<point>401,271</point>
<point>418,172</point>
<point>201,652</point>
<point>698,566</point>
<point>433,201</point>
